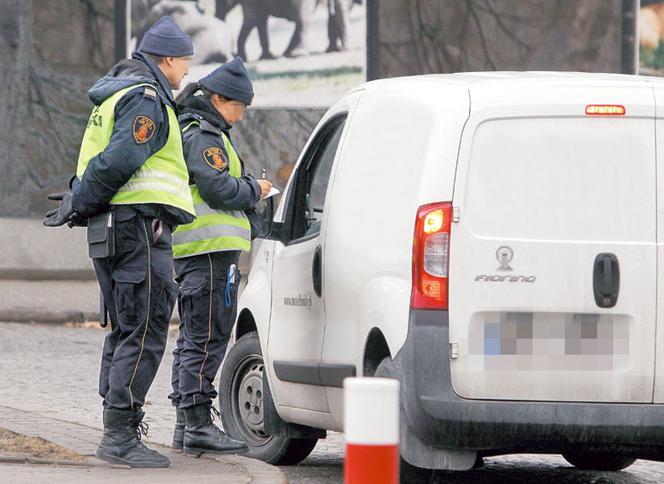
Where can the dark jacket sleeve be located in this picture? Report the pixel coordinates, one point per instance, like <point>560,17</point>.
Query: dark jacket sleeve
<point>218,188</point>
<point>114,166</point>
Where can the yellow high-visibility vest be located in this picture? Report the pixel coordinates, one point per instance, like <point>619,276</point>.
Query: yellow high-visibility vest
<point>213,230</point>
<point>162,179</point>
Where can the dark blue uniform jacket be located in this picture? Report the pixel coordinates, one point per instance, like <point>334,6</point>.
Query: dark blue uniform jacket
<point>217,187</point>
<point>114,166</point>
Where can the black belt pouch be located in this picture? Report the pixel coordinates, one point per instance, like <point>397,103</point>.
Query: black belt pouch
<point>101,240</point>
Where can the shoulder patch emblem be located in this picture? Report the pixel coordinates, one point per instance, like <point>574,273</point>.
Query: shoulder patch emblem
<point>215,158</point>
<point>143,129</point>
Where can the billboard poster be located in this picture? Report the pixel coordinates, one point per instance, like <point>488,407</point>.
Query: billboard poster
<point>300,53</point>
<point>651,37</point>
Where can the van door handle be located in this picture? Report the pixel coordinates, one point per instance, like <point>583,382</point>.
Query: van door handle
<point>316,271</point>
<point>606,280</point>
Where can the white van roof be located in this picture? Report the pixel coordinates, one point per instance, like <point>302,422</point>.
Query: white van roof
<point>510,90</point>
<point>535,78</point>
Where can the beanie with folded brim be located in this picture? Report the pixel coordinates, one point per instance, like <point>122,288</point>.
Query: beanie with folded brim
<point>230,80</point>
<point>166,39</point>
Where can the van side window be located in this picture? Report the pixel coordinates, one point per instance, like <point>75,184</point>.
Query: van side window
<point>312,179</point>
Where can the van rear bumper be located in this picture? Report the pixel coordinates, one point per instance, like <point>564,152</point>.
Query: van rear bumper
<point>440,418</point>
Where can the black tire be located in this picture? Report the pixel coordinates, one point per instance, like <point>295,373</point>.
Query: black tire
<point>241,386</point>
<point>592,461</point>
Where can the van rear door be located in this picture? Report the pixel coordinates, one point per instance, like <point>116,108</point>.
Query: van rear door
<point>557,218</point>
<point>659,368</point>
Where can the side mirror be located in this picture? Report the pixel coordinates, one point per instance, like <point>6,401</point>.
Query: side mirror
<point>262,222</point>
<point>261,219</point>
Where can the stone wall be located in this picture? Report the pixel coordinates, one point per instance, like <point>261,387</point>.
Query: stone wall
<point>438,36</point>
<point>52,50</point>
<point>273,139</point>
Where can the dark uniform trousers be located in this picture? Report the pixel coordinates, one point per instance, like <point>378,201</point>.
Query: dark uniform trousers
<point>139,292</point>
<point>208,305</point>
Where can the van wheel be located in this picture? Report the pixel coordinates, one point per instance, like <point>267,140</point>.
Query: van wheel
<point>592,461</point>
<point>241,404</point>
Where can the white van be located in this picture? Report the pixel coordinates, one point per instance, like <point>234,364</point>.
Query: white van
<point>491,240</point>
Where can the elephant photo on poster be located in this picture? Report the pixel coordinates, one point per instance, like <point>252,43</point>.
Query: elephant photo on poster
<point>298,52</point>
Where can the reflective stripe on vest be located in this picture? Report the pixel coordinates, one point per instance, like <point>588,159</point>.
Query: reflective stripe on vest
<point>213,230</point>
<point>162,179</point>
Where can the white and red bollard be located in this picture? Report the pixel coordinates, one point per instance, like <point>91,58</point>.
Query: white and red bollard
<point>371,425</point>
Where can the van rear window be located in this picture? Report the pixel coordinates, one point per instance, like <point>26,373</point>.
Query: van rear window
<point>585,179</point>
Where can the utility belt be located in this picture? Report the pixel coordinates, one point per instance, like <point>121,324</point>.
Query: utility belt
<point>102,239</point>
<point>102,230</point>
<point>101,236</point>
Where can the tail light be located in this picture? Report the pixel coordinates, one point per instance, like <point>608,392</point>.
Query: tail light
<point>431,251</point>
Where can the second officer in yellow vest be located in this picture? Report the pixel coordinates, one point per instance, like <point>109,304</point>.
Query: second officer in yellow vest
<point>207,251</point>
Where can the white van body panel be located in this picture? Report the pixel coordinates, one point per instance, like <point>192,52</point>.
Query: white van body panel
<point>256,298</point>
<point>296,333</point>
<point>557,187</point>
<point>393,160</point>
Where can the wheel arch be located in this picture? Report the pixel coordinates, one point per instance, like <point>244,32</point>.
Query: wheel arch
<point>245,324</point>
<point>375,350</point>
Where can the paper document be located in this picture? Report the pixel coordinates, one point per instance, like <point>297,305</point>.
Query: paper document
<point>273,191</point>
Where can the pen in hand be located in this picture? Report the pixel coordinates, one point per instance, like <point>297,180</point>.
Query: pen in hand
<point>265,184</point>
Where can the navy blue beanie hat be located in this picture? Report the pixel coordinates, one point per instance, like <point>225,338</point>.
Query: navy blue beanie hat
<point>230,80</point>
<point>166,39</point>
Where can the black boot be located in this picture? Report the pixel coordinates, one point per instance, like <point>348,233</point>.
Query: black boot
<point>121,443</point>
<point>178,433</point>
<point>201,435</point>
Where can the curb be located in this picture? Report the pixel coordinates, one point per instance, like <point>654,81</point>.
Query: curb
<point>50,317</point>
<point>59,318</point>
<point>59,462</point>
<point>47,274</point>
<point>258,470</point>
<point>254,468</point>
<point>83,439</point>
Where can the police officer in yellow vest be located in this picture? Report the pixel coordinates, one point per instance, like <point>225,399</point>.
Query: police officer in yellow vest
<point>207,251</point>
<point>131,189</point>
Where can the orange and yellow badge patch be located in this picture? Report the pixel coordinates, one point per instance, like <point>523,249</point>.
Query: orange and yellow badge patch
<point>143,129</point>
<point>214,157</point>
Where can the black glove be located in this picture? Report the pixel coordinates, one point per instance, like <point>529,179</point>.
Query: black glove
<point>64,214</point>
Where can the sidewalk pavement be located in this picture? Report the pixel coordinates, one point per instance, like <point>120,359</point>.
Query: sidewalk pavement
<point>53,370</point>
<point>84,440</point>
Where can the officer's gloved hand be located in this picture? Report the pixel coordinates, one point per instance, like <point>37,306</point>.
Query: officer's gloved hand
<point>64,214</point>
